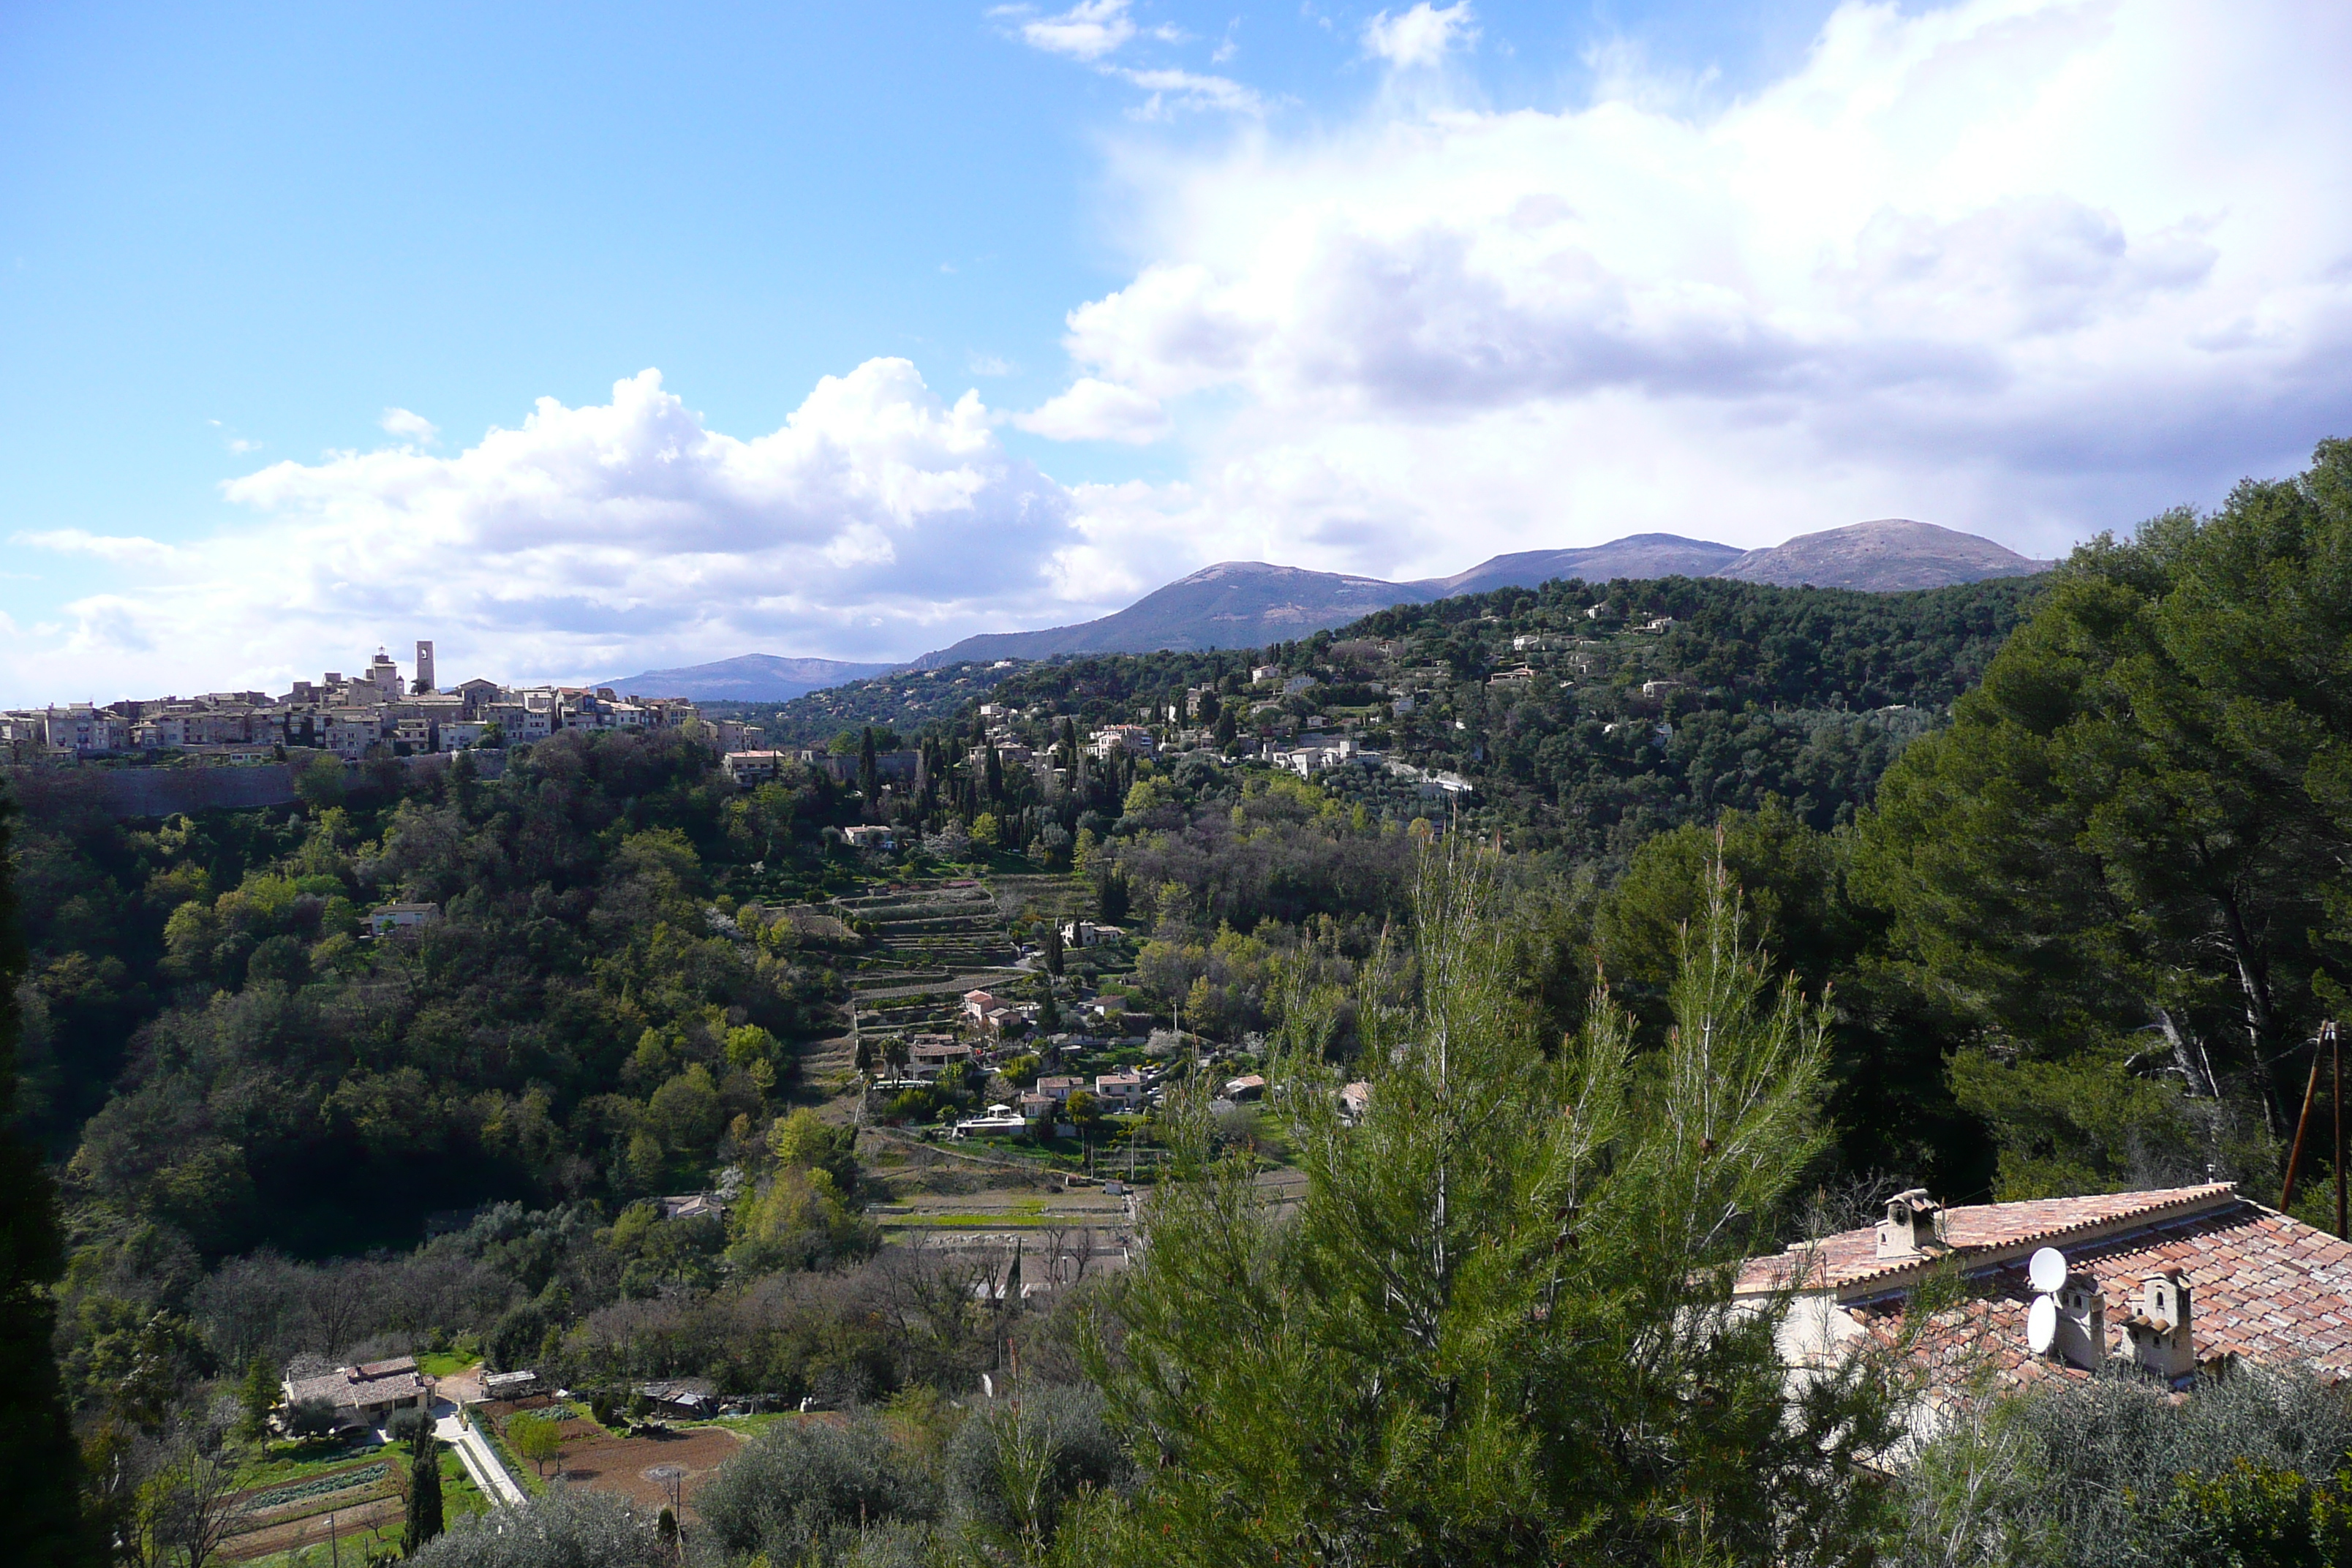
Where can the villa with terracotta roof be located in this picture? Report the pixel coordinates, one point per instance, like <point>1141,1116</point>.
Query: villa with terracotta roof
<point>2172,1281</point>
<point>365,1394</point>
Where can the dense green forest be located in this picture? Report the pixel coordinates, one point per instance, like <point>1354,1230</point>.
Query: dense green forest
<point>1801,694</point>
<point>2052,868</point>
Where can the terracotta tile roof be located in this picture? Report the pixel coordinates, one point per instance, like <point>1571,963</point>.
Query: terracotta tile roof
<point>367,1369</point>
<point>2263,1287</point>
<point>1849,1262</point>
<point>349,1387</point>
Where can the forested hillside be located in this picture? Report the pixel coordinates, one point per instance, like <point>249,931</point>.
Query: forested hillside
<point>2051,871</point>
<point>1802,695</point>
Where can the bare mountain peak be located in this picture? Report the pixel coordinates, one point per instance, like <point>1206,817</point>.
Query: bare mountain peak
<point>1888,555</point>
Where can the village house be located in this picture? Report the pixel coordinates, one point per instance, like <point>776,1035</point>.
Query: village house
<point>869,836</point>
<point>927,1056</point>
<point>385,918</point>
<point>362,1395</point>
<point>2162,1284</point>
<point>1113,738</point>
<point>1123,1089</point>
<point>1060,1086</point>
<point>748,768</point>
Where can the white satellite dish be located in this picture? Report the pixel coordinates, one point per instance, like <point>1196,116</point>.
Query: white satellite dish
<point>2047,1269</point>
<point>2042,1325</point>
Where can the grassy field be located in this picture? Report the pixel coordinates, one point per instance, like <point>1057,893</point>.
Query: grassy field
<point>300,1461</point>
<point>445,1363</point>
<point>459,1499</point>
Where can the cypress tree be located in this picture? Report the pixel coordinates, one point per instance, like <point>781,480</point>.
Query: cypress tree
<point>995,776</point>
<point>869,779</point>
<point>40,1478</point>
<point>424,1494</point>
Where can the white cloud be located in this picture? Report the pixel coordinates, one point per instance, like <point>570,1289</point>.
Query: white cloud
<point>979,364</point>
<point>415,428</point>
<point>1094,410</point>
<point>237,445</point>
<point>879,520</point>
<point>2026,267</point>
<point>1421,37</point>
<point>1182,90</point>
<point>1087,31</point>
<point>118,549</point>
<point>1094,30</point>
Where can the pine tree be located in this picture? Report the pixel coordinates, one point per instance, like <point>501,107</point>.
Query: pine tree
<point>424,1494</point>
<point>1497,1328</point>
<point>256,1396</point>
<point>40,1487</point>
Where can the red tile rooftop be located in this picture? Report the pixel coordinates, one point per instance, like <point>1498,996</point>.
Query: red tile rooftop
<point>2265,1287</point>
<point>1849,1258</point>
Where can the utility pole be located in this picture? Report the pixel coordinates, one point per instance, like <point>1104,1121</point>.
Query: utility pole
<point>2336,1044</point>
<point>2327,1044</point>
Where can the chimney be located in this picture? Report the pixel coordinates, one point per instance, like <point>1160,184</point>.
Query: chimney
<point>2160,1330</point>
<point>1914,1224</point>
<point>2082,1322</point>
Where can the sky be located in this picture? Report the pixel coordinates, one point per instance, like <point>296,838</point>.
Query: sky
<point>590,339</point>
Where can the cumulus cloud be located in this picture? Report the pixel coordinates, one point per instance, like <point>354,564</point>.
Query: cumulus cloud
<point>1094,410</point>
<point>404,425</point>
<point>879,520</point>
<point>2027,266</point>
<point>1421,37</point>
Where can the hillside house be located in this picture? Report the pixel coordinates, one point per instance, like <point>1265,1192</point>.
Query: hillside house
<point>748,768</point>
<point>1060,1086</point>
<point>929,1056</point>
<point>385,918</point>
<point>2162,1284</point>
<point>1123,1090</point>
<point>362,1395</point>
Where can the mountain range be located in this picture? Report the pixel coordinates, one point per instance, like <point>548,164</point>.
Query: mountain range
<point>1248,604</point>
<point>751,678</point>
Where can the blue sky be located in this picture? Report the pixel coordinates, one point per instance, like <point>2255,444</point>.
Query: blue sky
<point>1105,292</point>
